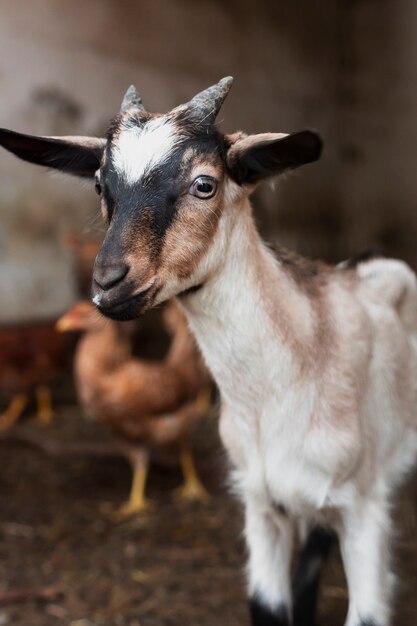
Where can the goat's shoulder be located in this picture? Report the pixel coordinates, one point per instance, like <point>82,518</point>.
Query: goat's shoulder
<point>309,275</point>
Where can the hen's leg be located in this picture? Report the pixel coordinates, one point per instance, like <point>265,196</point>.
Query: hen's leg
<point>192,488</point>
<point>13,411</point>
<point>44,399</point>
<point>203,401</point>
<point>137,502</point>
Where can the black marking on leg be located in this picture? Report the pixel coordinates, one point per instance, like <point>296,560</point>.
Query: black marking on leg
<point>307,577</point>
<point>280,508</point>
<point>263,616</point>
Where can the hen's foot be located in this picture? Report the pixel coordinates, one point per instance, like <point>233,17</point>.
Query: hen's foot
<point>45,412</point>
<point>13,411</point>
<point>132,509</point>
<point>192,488</point>
<point>192,491</point>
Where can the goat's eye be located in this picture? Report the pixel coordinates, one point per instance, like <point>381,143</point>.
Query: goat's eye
<point>203,187</point>
<point>98,188</point>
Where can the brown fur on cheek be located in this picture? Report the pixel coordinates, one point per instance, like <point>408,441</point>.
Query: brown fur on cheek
<point>192,231</point>
<point>190,236</point>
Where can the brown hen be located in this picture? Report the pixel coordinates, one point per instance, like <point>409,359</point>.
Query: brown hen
<point>32,357</point>
<point>150,406</point>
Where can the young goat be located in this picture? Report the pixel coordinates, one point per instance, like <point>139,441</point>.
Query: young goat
<point>317,366</point>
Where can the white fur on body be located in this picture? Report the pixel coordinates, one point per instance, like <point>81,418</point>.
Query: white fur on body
<point>319,395</point>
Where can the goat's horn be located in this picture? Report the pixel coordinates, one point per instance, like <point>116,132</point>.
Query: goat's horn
<point>206,104</point>
<point>132,100</point>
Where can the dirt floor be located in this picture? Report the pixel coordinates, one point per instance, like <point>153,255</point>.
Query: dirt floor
<point>64,561</point>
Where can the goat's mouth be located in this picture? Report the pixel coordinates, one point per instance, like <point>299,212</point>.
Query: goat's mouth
<point>128,308</point>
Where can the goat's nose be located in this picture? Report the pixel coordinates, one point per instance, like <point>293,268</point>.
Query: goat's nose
<point>107,276</point>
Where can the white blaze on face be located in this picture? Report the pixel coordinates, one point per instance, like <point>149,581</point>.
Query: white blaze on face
<point>138,149</point>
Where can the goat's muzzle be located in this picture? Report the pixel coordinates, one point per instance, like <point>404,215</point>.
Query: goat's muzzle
<point>122,301</point>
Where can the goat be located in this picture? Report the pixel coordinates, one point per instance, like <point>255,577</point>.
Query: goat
<point>316,365</point>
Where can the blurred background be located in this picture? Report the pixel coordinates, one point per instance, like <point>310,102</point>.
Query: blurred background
<point>344,67</point>
<point>347,68</point>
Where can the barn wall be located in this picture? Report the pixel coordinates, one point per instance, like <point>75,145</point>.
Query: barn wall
<point>378,122</point>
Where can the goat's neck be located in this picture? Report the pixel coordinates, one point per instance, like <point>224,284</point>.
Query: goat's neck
<point>249,318</point>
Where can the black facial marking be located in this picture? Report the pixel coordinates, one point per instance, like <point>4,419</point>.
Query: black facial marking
<point>150,203</point>
<point>153,200</point>
<point>109,201</point>
<point>263,616</point>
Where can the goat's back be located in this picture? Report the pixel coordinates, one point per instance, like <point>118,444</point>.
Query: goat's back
<point>390,283</point>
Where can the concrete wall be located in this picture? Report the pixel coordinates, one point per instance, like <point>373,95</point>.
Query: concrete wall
<point>341,67</point>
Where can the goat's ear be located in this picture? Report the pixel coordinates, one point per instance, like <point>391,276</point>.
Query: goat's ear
<point>80,156</point>
<point>254,157</point>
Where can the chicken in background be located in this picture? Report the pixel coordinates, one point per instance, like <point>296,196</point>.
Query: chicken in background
<point>32,358</point>
<point>150,406</point>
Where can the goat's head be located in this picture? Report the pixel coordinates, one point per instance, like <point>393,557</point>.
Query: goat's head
<point>166,183</point>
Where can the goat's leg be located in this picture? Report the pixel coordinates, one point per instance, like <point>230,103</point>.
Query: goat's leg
<point>269,536</point>
<point>365,546</point>
<point>312,557</point>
